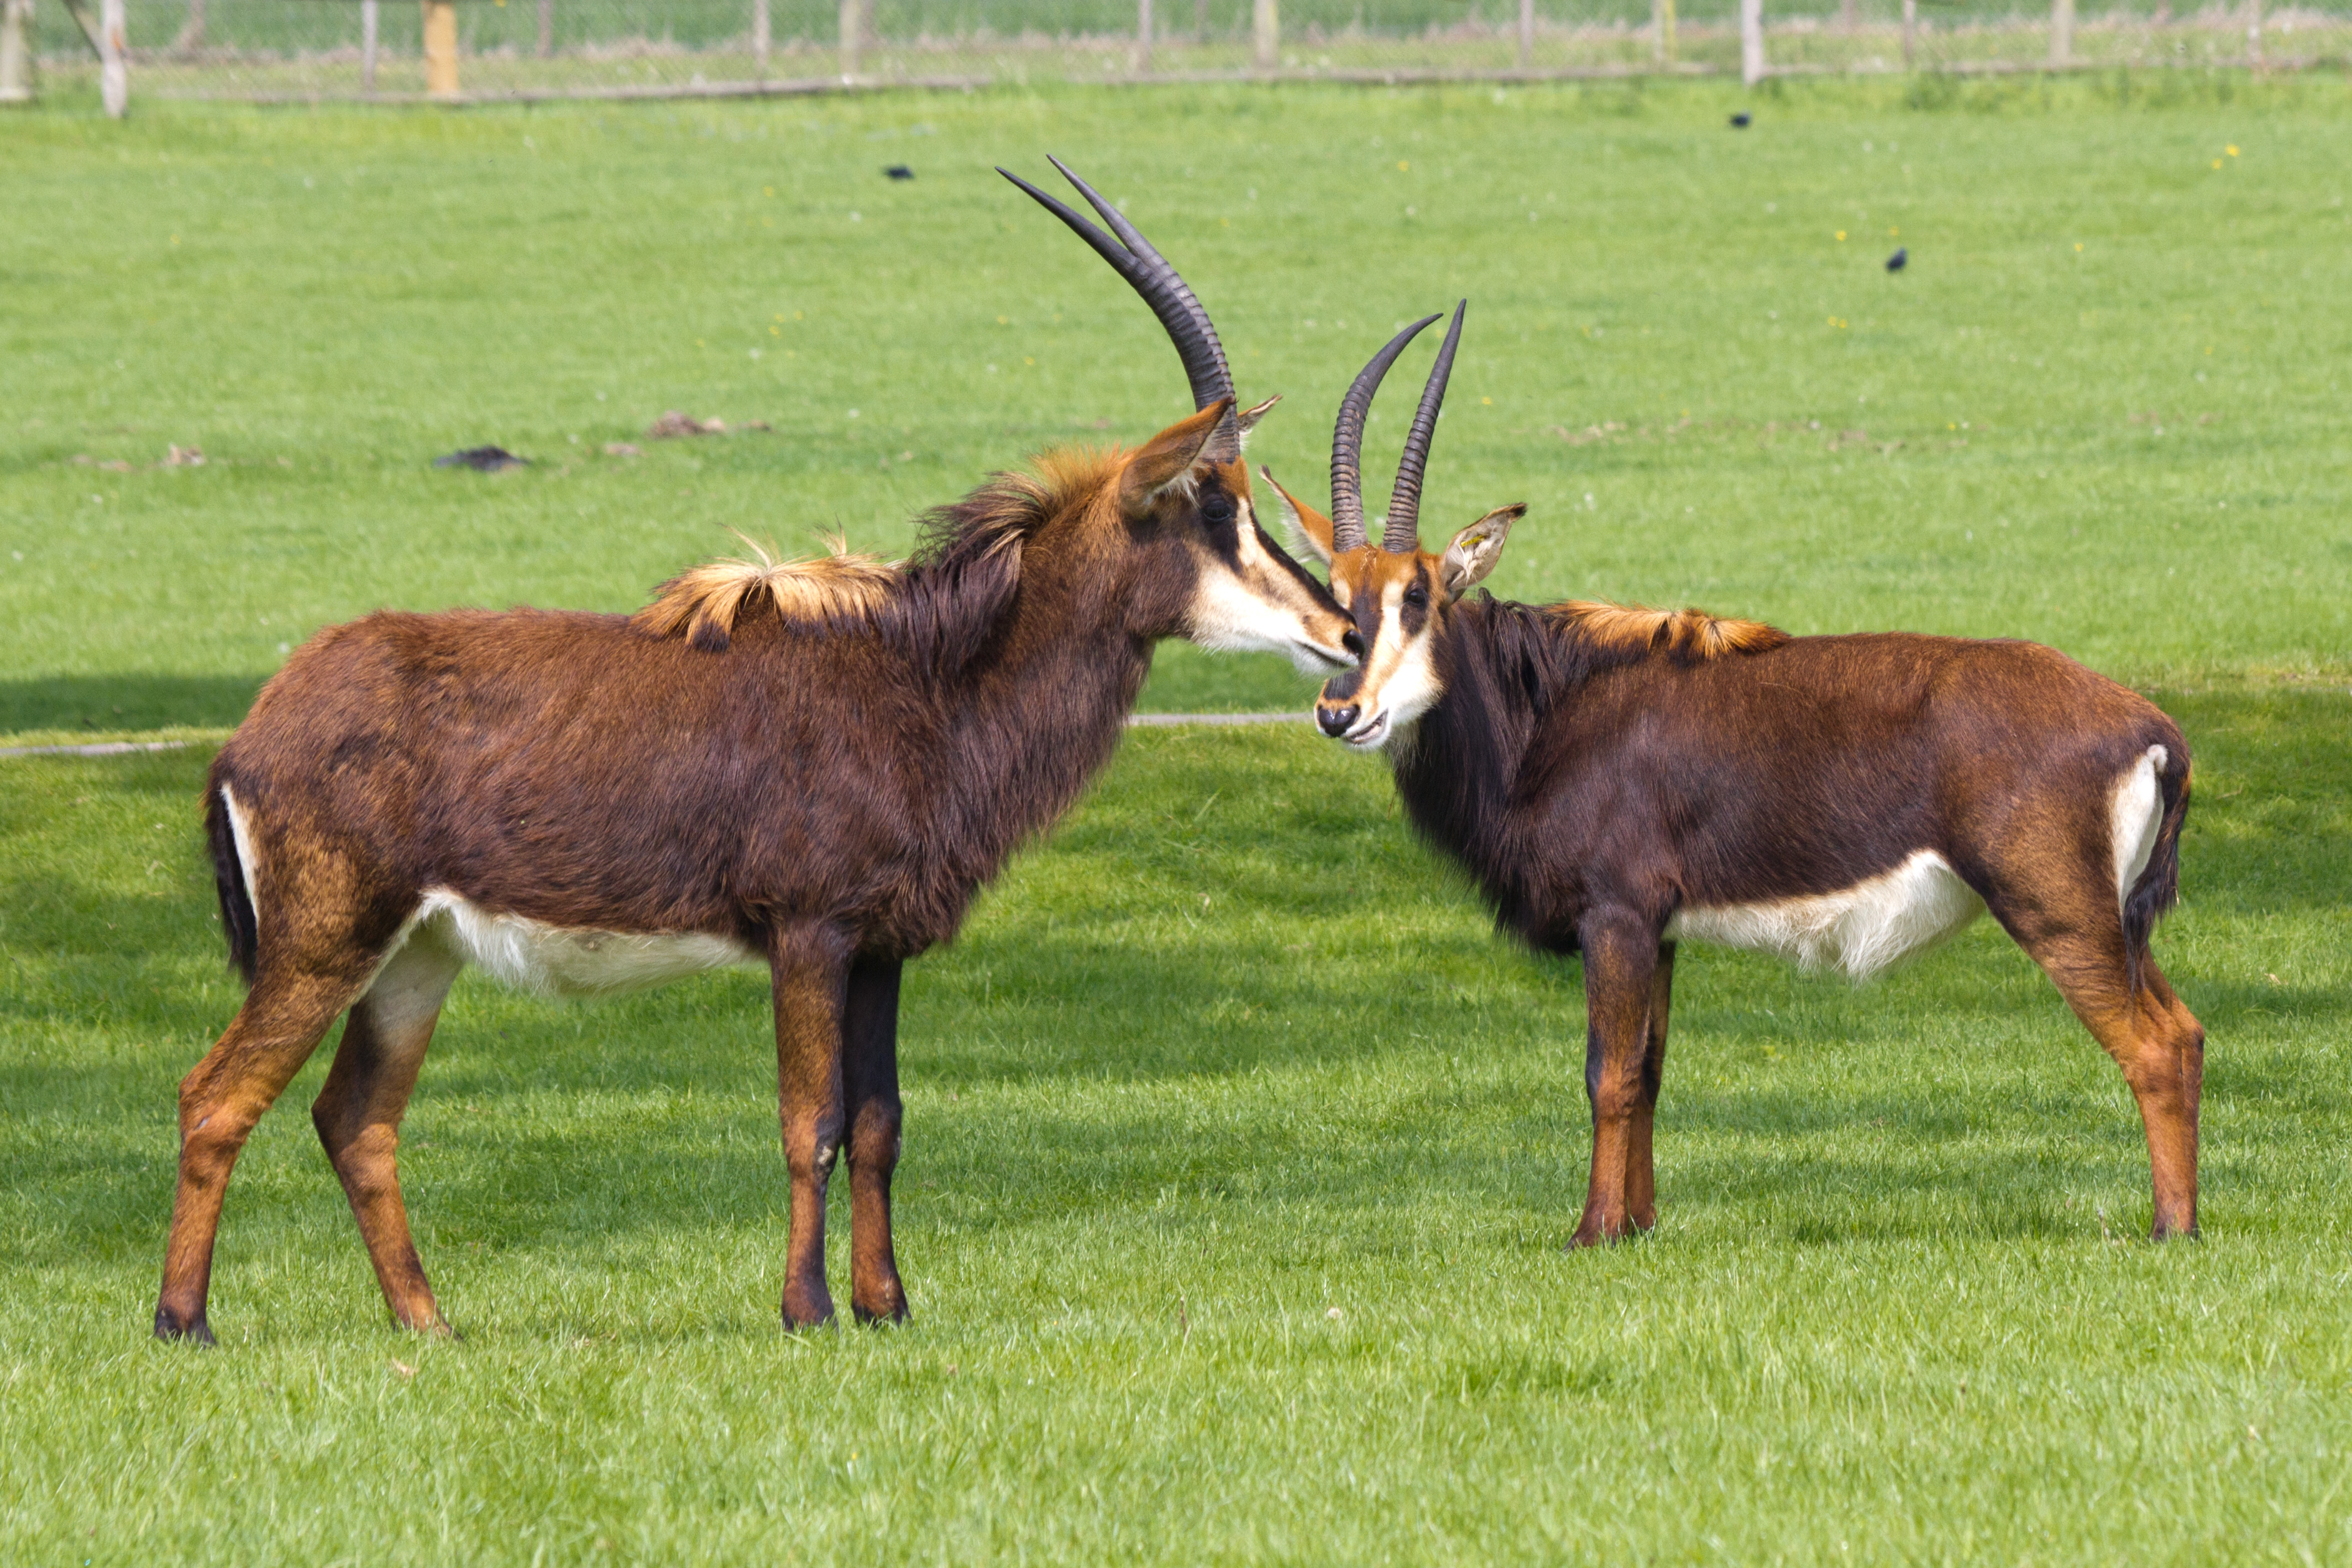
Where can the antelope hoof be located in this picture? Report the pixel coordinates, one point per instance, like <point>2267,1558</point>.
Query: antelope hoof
<point>815,1313</point>
<point>2161,1231</point>
<point>171,1328</point>
<point>893,1313</point>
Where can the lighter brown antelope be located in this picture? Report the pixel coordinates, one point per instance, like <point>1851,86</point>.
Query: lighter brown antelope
<point>810,768</point>
<point>1620,779</point>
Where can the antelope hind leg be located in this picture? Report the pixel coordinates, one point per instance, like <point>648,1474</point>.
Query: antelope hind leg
<point>1641,1174</point>
<point>809,969</point>
<point>358,1115</point>
<point>284,1016</point>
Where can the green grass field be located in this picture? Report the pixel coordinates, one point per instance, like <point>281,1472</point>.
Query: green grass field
<point>1239,1153</point>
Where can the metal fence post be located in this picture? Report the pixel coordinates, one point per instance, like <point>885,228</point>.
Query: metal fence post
<point>1265,34</point>
<point>1141,61</point>
<point>441,48</point>
<point>546,29</point>
<point>368,33</point>
<point>1751,41</point>
<point>2062,34</point>
<point>763,37</point>
<point>1527,35</point>
<point>15,51</point>
<point>1910,31</point>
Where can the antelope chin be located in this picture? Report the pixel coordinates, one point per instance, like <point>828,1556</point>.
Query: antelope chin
<point>1371,734</point>
<point>1309,659</point>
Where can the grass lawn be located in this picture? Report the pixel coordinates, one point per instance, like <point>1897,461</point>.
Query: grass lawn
<point>1239,1153</point>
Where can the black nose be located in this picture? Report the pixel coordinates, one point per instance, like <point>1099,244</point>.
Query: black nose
<point>1337,721</point>
<point>1353,641</point>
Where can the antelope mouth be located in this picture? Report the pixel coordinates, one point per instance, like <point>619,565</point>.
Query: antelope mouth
<point>1313,659</point>
<point>1369,735</point>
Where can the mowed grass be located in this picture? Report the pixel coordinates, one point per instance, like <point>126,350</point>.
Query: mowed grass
<point>1239,1153</point>
<point>1240,1158</point>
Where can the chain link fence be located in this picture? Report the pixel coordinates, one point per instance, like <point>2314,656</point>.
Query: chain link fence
<point>489,50</point>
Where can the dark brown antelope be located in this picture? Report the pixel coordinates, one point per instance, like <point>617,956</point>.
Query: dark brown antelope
<point>1618,779</point>
<point>811,766</point>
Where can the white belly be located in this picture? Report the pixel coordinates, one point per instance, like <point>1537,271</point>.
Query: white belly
<point>1861,929</point>
<point>567,960</point>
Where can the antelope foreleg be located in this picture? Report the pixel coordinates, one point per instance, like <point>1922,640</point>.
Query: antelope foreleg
<point>1641,1175</point>
<point>870,1085</point>
<point>809,966</point>
<point>1620,961</point>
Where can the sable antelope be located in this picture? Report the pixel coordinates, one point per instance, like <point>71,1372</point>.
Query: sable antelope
<point>811,765</point>
<point>1619,778</point>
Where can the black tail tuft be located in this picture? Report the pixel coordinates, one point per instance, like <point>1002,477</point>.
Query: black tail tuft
<point>238,920</point>
<point>2159,887</point>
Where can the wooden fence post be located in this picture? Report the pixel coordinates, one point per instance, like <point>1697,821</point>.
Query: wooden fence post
<point>546,29</point>
<point>763,37</point>
<point>192,31</point>
<point>1751,41</point>
<point>2062,34</point>
<point>1141,61</point>
<point>1265,35</point>
<point>2254,33</point>
<point>1662,37</point>
<point>369,32</point>
<point>15,51</point>
<point>1527,35</point>
<point>1910,31</point>
<point>853,28</point>
<point>441,47</point>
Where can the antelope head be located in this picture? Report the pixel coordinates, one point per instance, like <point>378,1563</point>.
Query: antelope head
<point>1200,566</point>
<point>1398,594</point>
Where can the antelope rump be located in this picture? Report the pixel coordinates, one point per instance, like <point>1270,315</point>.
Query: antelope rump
<point>812,765</point>
<point>1618,779</point>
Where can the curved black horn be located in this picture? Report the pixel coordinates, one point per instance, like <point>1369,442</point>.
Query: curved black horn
<point>1134,258</point>
<point>1403,531</point>
<point>1347,443</point>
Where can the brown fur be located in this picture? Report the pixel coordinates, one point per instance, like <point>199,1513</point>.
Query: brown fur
<point>826,787</point>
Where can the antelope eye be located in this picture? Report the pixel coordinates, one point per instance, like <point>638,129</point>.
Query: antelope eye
<point>1416,595</point>
<point>1217,508</point>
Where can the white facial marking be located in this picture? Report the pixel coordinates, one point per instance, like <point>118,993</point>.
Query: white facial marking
<point>242,836</point>
<point>2136,812</point>
<point>1861,929</point>
<point>533,955</point>
<point>1228,616</point>
<point>1403,684</point>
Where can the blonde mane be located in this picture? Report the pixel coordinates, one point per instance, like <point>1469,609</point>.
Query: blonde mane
<point>705,603</point>
<point>1690,635</point>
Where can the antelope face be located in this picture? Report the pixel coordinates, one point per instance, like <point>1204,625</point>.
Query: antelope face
<point>1234,588</point>
<point>1397,594</point>
<point>1398,601</point>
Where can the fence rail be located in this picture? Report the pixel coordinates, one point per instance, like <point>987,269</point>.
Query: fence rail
<point>492,51</point>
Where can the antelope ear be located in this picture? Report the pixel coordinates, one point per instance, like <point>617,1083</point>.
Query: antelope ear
<point>1310,529</point>
<point>1168,458</point>
<point>1247,418</point>
<point>1476,548</point>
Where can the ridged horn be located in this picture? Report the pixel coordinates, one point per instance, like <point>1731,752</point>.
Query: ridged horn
<point>1403,531</point>
<point>1134,258</point>
<point>1347,443</point>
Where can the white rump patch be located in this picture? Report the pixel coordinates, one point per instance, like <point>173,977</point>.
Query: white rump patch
<point>563,960</point>
<point>242,836</point>
<point>2138,812</point>
<point>1861,929</point>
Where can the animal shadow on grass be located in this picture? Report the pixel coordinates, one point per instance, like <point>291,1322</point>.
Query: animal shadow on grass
<point>131,701</point>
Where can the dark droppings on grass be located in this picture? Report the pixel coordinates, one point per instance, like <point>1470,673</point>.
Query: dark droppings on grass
<point>482,460</point>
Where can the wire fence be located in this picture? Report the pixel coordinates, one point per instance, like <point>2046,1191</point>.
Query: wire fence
<point>489,50</point>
